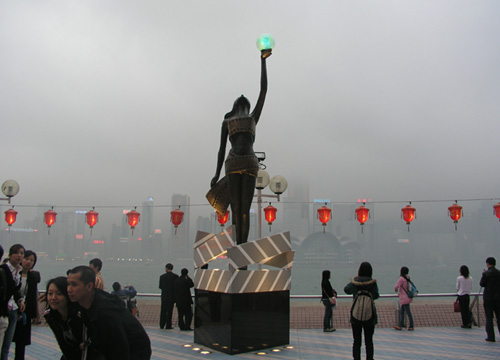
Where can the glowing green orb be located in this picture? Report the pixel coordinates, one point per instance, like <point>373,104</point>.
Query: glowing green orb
<point>265,42</point>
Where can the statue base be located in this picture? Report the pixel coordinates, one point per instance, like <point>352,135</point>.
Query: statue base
<point>239,323</point>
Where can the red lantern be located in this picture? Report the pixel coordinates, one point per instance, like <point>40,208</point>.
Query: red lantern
<point>324,215</point>
<point>497,210</point>
<point>362,215</point>
<point>408,213</point>
<point>10,216</point>
<point>455,212</point>
<point>176,217</point>
<point>270,212</point>
<point>50,218</point>
<point>92,219</point>
<point>133,218</point>
<point>222,219</point>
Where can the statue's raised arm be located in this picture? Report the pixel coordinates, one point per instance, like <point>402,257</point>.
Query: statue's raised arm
<point>241,165</point>
<point>263,86</point>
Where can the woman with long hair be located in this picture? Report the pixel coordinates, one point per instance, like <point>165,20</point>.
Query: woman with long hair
<point>366,286</point>
<point>402,288</point>
<point>29,289</point>
<point>329,299</point>
<point>464,288</point>
<point>241,165</point>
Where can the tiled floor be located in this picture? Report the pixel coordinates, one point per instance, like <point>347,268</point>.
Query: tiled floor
<point>424,343</point>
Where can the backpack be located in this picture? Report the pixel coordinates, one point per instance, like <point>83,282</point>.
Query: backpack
<point>412,290</point>
<point>363,306</point>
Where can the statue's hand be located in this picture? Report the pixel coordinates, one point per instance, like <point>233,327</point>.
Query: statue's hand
<point>266,53</point>
<point>214,180</point>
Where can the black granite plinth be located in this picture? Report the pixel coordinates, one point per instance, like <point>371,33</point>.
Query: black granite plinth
<point>239,323</point>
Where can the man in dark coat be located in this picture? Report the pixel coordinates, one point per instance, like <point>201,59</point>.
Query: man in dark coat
<point>167,296</point>
<point>183,300</point>
<point>491,297</point>
<point>113,330</point>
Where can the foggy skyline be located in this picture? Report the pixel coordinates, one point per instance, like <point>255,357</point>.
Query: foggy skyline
<point>106,104</point>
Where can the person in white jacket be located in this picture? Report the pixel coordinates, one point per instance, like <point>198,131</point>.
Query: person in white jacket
<point>464,288</point>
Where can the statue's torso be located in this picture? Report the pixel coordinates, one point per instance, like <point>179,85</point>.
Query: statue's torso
<point>241,132</point>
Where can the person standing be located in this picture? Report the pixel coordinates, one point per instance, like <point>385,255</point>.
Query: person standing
<point>464,289</point>
<point>113,331</point>
<point>16,302</point>
<point>365,285</point>
<point>402,288</point>
<point>184,300</point>
<point>4,298</point>
<point>329,299</point>
<point>29,289</point>
<point>167,296</point>
<point>490,281</point>
<point>96,266</point>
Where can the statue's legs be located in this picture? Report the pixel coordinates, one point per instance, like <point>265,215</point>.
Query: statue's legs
<point>241,190</point>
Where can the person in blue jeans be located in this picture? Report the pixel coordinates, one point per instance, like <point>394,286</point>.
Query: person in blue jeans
<point>329,299</point>
<point>401,288</point>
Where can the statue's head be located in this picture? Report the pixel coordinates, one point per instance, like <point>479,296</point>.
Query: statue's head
<point>241,105</point>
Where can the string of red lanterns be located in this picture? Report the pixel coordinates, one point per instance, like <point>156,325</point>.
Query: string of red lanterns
<point>362,214</point>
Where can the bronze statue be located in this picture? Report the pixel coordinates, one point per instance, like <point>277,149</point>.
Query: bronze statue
<point>241,165</point>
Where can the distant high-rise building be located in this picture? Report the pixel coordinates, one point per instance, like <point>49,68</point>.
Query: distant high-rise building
<point>297,210</point>
<point>147,233</point>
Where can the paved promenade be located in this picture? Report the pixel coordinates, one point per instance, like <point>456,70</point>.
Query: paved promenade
<point>424,343</point>
<point>437,336</point>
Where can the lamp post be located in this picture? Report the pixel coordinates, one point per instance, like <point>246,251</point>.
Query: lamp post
<point>278,186</point>
<point>10,188</point>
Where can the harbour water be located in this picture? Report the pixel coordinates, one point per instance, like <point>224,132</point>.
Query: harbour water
<point>306,277</point>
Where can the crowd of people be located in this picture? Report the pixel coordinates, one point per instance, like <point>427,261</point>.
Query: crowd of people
<point>87,322</point>
<point>90,323</point>
<point>365,291</point>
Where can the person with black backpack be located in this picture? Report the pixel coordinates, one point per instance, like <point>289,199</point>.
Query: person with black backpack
<point>363,310</point>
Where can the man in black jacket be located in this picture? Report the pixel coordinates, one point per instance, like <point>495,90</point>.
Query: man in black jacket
<point>183,300</point>
<point>113,330</point>
<point>490,281</point>
<point>167,296</point>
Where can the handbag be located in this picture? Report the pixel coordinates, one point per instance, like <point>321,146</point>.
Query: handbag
<point>456,306</point>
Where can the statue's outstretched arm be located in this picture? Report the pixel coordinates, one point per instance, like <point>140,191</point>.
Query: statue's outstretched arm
<point>263,86</point>
<point>221,155</point>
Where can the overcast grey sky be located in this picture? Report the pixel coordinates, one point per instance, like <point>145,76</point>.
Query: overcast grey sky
<point>109,102</point>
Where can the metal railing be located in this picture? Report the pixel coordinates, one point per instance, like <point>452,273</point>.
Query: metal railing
<point>474,302</point>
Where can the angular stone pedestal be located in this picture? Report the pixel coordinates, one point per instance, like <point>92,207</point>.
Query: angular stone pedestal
<point>238,323</point>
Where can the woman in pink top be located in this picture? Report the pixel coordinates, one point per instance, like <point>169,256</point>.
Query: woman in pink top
<point>401,288</point>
